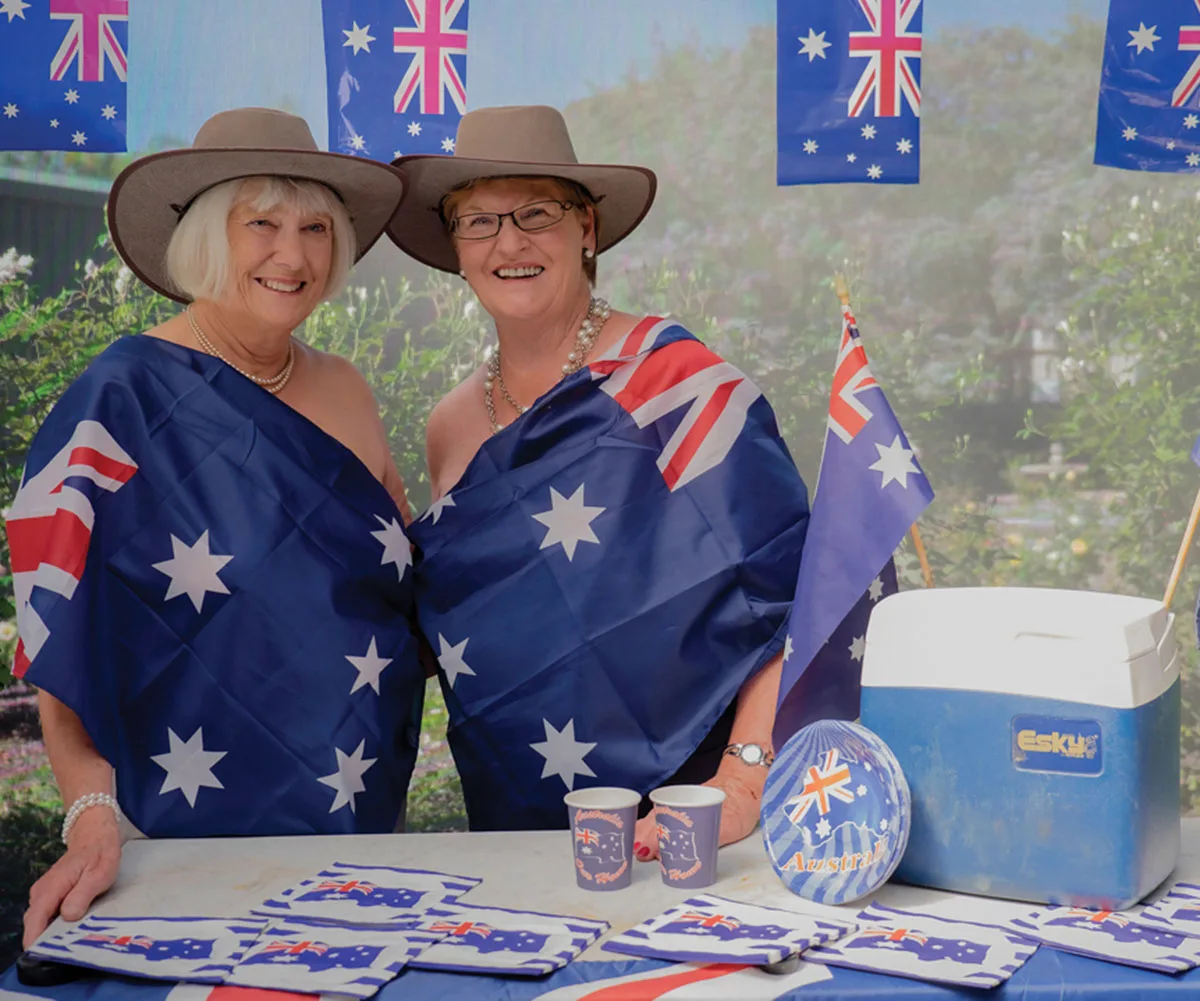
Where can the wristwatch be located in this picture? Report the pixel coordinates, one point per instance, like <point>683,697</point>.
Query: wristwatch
<point>751,754</point>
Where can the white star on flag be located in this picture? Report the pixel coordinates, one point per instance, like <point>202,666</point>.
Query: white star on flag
<point>396,547</point>
<point>894,463</point>
<point>347,780</point>
<point>71,96</point>
<point>823,828</point>
<point>876,589</point>
<point>1170,144</point>
<point>451,659</point>
<point>358,38</point>
<point>53,123</point>
<point>448,144</point>
<point>1193,159</point>
<point>1143,38</point>
<point>874,172</point>
<point>787,648</point>
<point>810,146</point>
<point>188,765</point>
<point>568,522</point>
<point>109,112</point>
<point>437,507</point>
<point>851,157</point>
<point>868,131</point>
<point>563,753</point>
<point>10,111</point>
<point>369,666</point>
<point>193,570</point>
<point>13,8</point>
<point>1130,133</point>
<point>861,790</point>
<point>1191,121</point>
<point>358,142</point>
<point>79,138</point>
<point>858,646</point>
<point>414,128</point>
<point>814,45</point>
<point>904,145</point>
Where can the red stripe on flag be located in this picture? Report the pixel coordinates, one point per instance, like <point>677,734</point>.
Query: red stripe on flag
<point>635,337</point>
<point>59,539</point>
<point>114,469</point>
<point>664,370</point>
<point>20,661</point>
<point>650,990</point>
<point>699,431</point>
<point>227,992</point>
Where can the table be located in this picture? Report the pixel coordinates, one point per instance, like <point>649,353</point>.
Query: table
<point>227,876</point>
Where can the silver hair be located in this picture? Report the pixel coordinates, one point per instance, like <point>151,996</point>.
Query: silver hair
<point>198,254</point>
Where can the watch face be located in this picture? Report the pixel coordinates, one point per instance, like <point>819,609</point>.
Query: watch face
<point>752,754</point>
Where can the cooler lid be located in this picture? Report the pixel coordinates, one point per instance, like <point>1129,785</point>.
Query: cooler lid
<point>1083,646</point>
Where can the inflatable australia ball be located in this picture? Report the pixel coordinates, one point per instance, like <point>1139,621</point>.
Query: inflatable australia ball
<point>836,812</point>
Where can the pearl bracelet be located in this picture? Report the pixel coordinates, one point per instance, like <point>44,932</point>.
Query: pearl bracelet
<point>85,802</point>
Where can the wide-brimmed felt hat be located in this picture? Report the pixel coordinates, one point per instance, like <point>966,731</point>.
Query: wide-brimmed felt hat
<point>151,195</point>
<point>521,141</point>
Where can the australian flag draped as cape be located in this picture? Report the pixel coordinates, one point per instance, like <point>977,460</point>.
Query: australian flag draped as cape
<point>607,573</point>
<point>221,592</point>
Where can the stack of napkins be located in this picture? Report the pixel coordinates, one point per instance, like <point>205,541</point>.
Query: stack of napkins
<point>500,941</point>
<point>1179,910</point>
<point>712,929</point>
<point>1116,937</point>
<point>924,947</point>
<point>203,950</point>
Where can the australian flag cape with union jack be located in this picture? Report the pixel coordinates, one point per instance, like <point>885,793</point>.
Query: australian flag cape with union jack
<point>606,575</point>
<point>199,576</point>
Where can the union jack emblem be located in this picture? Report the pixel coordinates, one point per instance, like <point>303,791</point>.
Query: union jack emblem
<point>711,920</point>
<point>888,48</point>
<point>894,935</point>
<point>847,413</point>
<point>297,948</point>
<point>587,836</point>
<point>125,941</point>
<point>431,43</point>
<point>1189,41</point>
<point>464,928</point>
<point>50,526</point>
<point>681,373</point>
<point>353,886</point>
<point>1097,917</point>
<point>90,41</point>
<point>820,783</point>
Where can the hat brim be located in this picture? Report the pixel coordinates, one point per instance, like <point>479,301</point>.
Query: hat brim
<point>144,203</point>
<point>625,194</point>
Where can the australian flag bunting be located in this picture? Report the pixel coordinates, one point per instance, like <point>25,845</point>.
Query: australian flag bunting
<point>1178,910</point>
<point>501,941</point>
<point>306,956</point>
<point>870,491</point>
<point>711,929</point>
<point>396,74</point>
<point>925,947</point>
<point>1149,116</point>
<point>62,78</point>
<point>367,895</point>
<point>1112,936</point>
<point>848,102</point>
<point>198,949</point>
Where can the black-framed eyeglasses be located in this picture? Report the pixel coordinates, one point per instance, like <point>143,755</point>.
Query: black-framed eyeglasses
<point>529,218</point>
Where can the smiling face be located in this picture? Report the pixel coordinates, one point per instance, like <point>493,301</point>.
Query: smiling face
<point>520,275</point>
<point>280,259</point>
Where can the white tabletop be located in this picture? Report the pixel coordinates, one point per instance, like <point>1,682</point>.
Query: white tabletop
<point>225,877</point>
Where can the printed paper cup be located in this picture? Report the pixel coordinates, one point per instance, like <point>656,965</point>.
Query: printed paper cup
<point>689,827</point>
<point>602,820</point>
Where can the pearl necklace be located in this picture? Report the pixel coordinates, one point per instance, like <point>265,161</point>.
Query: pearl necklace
<point>597,315</point>
<point>271,383</point>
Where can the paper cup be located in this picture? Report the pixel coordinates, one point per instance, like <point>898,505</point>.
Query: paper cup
<point>689,827</point>
<point>602,820</point>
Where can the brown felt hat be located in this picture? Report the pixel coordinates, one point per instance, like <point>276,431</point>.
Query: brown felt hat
<point>150,196</point>
<point>522,141</point>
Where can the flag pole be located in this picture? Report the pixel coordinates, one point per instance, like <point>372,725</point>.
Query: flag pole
<point>843,293</point>
<point>1181,556</point>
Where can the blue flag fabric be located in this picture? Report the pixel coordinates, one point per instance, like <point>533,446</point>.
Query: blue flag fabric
<point>605,576</point>
<point>222,593</point>
<point>62,75</point>
<point>848,101</point>
<point>396,74</point>
<point>1149,115</point>
<point>871,489</point>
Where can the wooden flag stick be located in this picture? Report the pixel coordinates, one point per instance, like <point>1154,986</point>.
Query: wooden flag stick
<point>1181,556</point>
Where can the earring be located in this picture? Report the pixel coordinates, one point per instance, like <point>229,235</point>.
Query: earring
<point>588,253</point>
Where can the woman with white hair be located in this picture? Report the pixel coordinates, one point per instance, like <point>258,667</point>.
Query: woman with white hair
<point>210,562</point>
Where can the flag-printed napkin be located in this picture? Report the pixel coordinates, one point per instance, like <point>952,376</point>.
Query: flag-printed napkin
<point>501,941</point>
<point>308,956</point>
<point>367,895</point>
<point>923,947</point>
<point>1177,911</point>
<point>707,928</point>
<point>1111,936</point>
<point>199,949</point>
